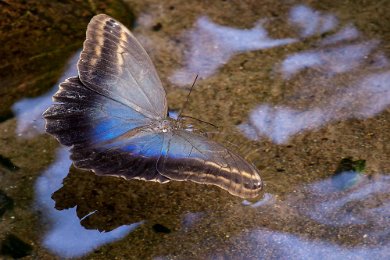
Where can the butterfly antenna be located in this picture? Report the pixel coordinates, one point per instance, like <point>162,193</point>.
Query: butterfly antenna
<point>185,104</point>
<point>188,97</point>
<point>184,116</point>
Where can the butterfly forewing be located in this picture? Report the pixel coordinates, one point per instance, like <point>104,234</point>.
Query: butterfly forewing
<point>114,64</point>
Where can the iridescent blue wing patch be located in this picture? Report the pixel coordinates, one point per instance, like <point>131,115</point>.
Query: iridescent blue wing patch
<point>106,135</point>
<point>114,116</point>
<point>188,156</point>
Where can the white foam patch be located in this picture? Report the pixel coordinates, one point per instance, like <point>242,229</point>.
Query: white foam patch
<point>323,204</point>
<point>280,123</point>
<point>328,23</point>
<point>294,63</point>
<point>306,19</point>
<point>331,60</point>
<point>311,22</point>
<point>327,206</point>
<point>368,97</point>
<point>212,45</point>
<point>266,200</point>
<point>190,219</point>
<point>347,33</point>
<point>290,246</point>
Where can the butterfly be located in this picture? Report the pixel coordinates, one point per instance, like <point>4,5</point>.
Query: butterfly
<point>114,115</point>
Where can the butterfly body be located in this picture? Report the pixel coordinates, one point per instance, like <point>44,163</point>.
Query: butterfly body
<point>114,116</point>
<point>166,125</point>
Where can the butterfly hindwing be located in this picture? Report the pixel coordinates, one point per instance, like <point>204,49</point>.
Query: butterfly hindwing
<point>103,132</point>
<point>130,158</point>
<point>188,156</point>
<point>80,115</point>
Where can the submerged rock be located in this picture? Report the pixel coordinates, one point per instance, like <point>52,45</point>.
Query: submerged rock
<point>8,164</point>
<point>348,173</point>
<point>15,247</point>
<point>6,203</point>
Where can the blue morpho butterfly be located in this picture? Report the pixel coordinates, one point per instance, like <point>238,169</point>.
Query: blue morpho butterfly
<point>114,115</point>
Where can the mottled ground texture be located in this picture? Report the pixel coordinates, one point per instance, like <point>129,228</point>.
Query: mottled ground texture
<point>311,112</point>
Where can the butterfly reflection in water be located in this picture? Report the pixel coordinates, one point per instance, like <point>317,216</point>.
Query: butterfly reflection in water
<point>114,115</point>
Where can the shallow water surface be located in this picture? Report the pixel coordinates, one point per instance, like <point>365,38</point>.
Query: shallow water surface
<point>302,90</point>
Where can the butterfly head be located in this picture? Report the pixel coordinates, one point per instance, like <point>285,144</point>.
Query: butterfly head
<point>166,125</point>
